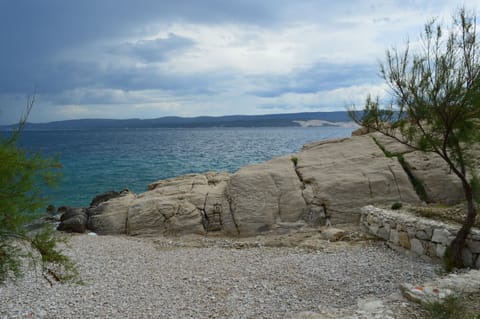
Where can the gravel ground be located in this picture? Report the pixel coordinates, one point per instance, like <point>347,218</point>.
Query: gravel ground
<point>129,277</point>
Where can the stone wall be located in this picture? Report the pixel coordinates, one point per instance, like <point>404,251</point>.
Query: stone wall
<point>421,236</point>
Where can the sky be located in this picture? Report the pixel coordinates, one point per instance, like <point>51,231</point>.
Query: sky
<point>152,58</point>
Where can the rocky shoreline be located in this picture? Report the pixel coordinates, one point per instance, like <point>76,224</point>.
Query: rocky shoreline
<point>249,244</point>
<point>209,277</point>
<point>326,183</point>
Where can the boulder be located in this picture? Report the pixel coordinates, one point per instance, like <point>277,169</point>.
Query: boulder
<point>103,198</point>
<point>262,195</point>
<point>429,170</point>
<point>187,204</point>
<point>440,183</point>
<point>345,174</point>
<point>110,217</point>
<point>73,219</point>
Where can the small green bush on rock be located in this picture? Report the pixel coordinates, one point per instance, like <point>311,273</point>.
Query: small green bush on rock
<point>294,160</point>
<point>396,206</point>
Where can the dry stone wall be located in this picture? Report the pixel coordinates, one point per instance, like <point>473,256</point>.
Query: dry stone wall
<point>421,236</point>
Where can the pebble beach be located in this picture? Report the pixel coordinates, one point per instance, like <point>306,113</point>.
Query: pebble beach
<point>128,277</point>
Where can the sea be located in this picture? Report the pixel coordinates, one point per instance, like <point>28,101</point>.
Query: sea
<point>95,161</point>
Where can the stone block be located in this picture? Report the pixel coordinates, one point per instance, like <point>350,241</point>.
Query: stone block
<point>429,248</point>
<point>394,237</point>
<point>404,240</point>
<point>371,219</point>
<point>373,229</point>
<point>411,231</point>
<point>387,226</point>
<point>475,236</point>
<point>429,231</point>
<point>467,257</point>
<point>417,247</point>
<point>384,233</point>
<point>422,234</point>
<point>474,246</point>
<point>477,262</point>
<point>440,235</point>
<point>440,250</point>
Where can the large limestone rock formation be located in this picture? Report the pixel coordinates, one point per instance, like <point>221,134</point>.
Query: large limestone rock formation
<point>349,173</point>
<point>265,195</point>
<point>327,182</point>
<point>427,170</point>
<point>187,204</point>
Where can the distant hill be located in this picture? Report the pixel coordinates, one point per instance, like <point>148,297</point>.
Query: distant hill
<point>271,120</point>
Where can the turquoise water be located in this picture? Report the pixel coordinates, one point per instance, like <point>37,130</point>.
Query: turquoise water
<point>101,160</point>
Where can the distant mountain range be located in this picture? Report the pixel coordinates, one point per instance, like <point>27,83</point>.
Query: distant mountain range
<point>272,120</point>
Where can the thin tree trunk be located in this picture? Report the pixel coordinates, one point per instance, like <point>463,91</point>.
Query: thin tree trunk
<point>460,239</point>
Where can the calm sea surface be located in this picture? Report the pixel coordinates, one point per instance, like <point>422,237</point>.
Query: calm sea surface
<point>101,160</point>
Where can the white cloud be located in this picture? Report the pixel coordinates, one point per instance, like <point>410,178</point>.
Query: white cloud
<point>331,100</point>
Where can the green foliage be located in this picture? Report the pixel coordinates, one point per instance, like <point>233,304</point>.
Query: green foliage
<point>54,263</point>
<point>396,206</point>
<point>435,104</point>
<point>294,160</point>
<point>384,150</point>
<point>475,182</point>
<point>10,262</point>
<point>450,308</point>
<point>416,183</point>
<point>22,176</point>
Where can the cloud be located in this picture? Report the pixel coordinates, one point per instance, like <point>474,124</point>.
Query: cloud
<point>149,58</point>
<point>317,78</point>
<point>329,100</point>
<point>156,50</point>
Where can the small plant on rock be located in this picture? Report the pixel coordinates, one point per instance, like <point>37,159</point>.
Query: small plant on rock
<point>294,160</point>
<point>396,206</point>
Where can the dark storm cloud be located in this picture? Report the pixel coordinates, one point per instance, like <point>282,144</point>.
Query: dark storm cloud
<point>36,33</point>
<point>149,79</point>
<point>208,54</point>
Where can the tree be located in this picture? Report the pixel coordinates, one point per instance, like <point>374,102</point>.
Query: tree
<point>22,176</point>
<point>435,105</point>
